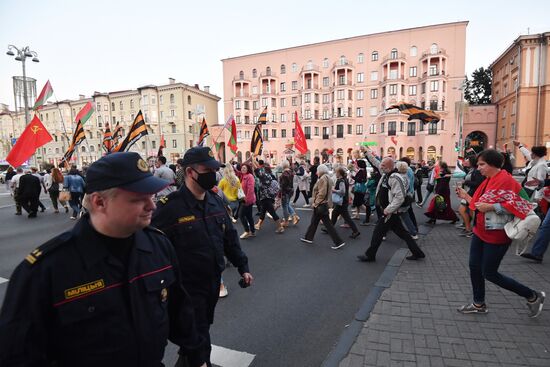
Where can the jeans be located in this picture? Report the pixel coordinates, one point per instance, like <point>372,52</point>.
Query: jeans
<point>344,212</point>
<point>543,237</point>
<point>315,219</point>
<point>428,194</point>
<point>382,227</point>
<point>246,218</point>
<point>75,202</point>
<point>405,216</point>
<point>485,259</point>
<point>233,205</point>
<point>287,208</point>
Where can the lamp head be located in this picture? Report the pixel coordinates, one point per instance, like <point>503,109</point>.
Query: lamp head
<point>18,58</point>
<point>10,53</point>
<point>35,59</point>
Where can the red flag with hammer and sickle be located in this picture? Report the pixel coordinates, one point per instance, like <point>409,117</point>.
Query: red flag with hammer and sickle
<point>33,137</point>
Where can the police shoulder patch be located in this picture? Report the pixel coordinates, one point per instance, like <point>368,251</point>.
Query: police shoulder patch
<point>163,200</point>
<point>47,248</point>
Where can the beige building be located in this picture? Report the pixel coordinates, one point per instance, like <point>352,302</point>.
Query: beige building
<point>341,88</point>
<point>521,92</point>
<point>173,110</point>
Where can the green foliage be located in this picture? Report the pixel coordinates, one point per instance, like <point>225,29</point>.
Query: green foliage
<point>479,88</point>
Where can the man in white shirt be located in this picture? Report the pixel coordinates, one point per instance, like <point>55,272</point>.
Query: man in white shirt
<point>14,185</point>
<point>164,172</point>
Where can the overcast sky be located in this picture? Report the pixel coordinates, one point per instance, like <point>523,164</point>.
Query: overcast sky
<point>99,45</point>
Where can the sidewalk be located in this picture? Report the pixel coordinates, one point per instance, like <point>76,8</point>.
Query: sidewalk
<point>415,322</point>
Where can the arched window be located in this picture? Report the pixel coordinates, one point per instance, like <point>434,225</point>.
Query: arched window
<point>410,153</point>
<point>121,105</point>
<point>294,67</point>
<point>360,58</point>
<point>283,69</point>
<point>343,60</point>
<point>268,71</point>
<point>83,149</point>
<point>131,104</point>
<point>413,51</point>
<point>92,148</point>
<point>374,56</point>
<point>430,153</point>
<point>241,74</point>
<point>325,62</point>
<point>309,65</point>
<point>393,54</point>
<point>112,106</point>
<point>188,99</point>
<point>98,134</point>
<point>433,49</point>
<point>254,73</point>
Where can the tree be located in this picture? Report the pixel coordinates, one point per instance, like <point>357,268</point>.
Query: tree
<point>479,89</point>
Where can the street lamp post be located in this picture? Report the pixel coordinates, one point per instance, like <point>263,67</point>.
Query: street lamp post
<point>21,55</point>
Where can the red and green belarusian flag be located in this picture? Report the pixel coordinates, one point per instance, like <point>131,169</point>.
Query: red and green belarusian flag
<point>46,93</point>
<point>85,113</point>
<point>232,127</point>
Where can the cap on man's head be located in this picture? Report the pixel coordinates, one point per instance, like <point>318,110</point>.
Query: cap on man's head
<point>125,170</point>
<point>200,155</point>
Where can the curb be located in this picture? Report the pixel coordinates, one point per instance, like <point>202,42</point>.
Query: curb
<point>349,335</point>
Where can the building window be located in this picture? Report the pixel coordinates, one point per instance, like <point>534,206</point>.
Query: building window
<point>283,102</point>
<point>393,54</point>
<point>339,131</point>
<point>340,94</point>
<point>374,75</point>
<point>316,131</point>
<point>98,106</point>
<point>273,102</point>
<point>382,126</point>
<point>434,85</point>
<point>401,126</point>
<point>414,51</point>
<point>326,81</point>
<point>254,73</point>
<point>411,128</point>
<point>412,71</point>
<point>361,58</point>
<point>282,87</point>
<point>358,129</point>
<point>264,102</point>
<point>174,129</point>
<point>307,114</point>
<point>265,134</point>
<point>283,133</point>
<point>326,114</point>
<point>412,90</point>
<point>373,93</point>
<point>325,63</point>
<point>241,75</point>
<point>359,112</point>
<point>360,77</point>
<point>255,89</point>
<point>255,105</point>
<point>307,98</point>
<point>433,105</point>
<point>273,133</point>
<point>172,113</point>
<point>393,89</point>
<point>433,49</point>
<point>174,143</point>
<point>350,129</point>
<point>294,101</point>
<point>513,108</point>
<point>433,70</point>
<point>307,132</point>
<point>114,120</point>
<point>372,129</point>
<point>237,105</point>
<point>360,95</point>
<point>294,67</point>
<point>432,128</point>
<point>392,128</point>
<point>513,130</point>
<point>283,117</point>
<point>172,100</point>
<point>374,56</point>
<point>294,85</point>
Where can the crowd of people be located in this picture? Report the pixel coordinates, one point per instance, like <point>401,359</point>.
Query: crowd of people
<point>197,205</point>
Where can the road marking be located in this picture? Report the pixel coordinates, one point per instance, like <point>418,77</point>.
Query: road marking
<point>3,280</point>
<point>230,358</point>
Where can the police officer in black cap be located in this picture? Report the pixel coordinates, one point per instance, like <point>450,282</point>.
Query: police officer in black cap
<point>195,220</point>
<point>106,293</point>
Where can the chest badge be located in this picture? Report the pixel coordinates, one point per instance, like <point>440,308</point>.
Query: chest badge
<point>186,219</point>
<point>164,295</point>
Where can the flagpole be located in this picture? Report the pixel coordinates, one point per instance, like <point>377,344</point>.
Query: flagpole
<point>222,130</point>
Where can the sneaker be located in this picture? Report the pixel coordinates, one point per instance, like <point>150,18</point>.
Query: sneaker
<point>466,234</point>
<point>471,308</point>
<point>73,218</point>
<point>306,240</point>
<point>295,219</point>
<point>535,307</point>
<point>233,220</point>
<point>270,216</point>
<point>307,206</point>
<point>245,235</point>
<point>336,247</point>
<point>461,225</point>
<point>415,237</point>
<point>223,291</point>
<point>419,205</point>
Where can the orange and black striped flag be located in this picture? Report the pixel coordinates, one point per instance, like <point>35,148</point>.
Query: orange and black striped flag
<point>78,137</point>
<point>137,130</point>
<point>117,134</point>
<point>107,139</point>
<point>415,112</point>
<point>257,143</point>
<point>263,117</point>
<point>203,133</point>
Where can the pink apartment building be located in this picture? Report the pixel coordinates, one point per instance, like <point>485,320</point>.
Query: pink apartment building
<point>341,88</point>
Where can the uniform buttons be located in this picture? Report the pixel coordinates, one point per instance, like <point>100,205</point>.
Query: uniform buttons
<point>162,281</point>
<point>91,309</point>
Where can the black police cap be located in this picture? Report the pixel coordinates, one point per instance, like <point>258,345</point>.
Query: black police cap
<point>125,170</point>
<point>200,155</point>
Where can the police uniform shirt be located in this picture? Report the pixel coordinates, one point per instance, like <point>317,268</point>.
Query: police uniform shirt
<point>72,302</point>
<point>201,233</point>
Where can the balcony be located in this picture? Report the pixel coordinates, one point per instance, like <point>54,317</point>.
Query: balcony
<point>240,79</point>
<point>310,68</point>
<point>440,51</point>
<point>393,77</point>
<point>390,57</point>
<point>433,74</point>
<point>340,83</point>
<point>268,74</point>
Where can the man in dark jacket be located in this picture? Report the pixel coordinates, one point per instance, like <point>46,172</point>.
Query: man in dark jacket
<point>29,193</point>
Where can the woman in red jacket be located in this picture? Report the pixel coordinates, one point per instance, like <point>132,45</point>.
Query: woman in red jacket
<point>247,184</point>
<point>495,202</point>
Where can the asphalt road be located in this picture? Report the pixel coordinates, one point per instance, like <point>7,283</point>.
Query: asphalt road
<point>302,299</point>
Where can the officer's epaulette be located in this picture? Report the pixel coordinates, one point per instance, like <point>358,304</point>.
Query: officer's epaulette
<point>164,199</point>
<point>48,247</point>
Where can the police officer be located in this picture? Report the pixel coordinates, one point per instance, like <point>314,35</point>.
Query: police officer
<point>195,220</point>
<point>106,293</point>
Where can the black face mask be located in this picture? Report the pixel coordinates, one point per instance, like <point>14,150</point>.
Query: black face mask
<point>206,180</point>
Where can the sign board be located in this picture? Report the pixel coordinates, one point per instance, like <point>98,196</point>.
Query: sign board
<point>13,141</point>
<point>368,143</point>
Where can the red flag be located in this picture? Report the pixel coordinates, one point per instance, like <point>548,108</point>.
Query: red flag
<point>393,140</point>
<point>161,146</point>
<point>299,137</point>
<point>232,143</point>
<point>34,136</point>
